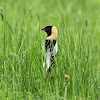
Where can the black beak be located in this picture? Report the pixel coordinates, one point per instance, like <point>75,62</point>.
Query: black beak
<point>43,29</point>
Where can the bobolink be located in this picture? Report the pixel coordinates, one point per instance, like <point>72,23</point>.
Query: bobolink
<point>51,47</point>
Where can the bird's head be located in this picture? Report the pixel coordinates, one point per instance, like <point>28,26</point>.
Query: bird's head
<point>51,32</point>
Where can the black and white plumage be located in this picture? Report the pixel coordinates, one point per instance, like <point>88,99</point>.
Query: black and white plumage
<point>51,47</point>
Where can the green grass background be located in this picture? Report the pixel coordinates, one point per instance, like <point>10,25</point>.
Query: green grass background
<point>22,76</point>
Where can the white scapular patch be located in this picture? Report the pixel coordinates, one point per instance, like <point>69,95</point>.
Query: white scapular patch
<point>55,50</point>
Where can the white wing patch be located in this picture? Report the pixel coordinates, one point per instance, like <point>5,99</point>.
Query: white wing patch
<point>55,50</point>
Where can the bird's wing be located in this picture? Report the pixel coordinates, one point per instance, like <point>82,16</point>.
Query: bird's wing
<point>55,50</point>
<point>51,49</point>
<point>48,49</point>
<point>47,45</point>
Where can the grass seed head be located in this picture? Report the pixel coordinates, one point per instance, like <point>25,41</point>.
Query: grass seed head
<point>67,76</point>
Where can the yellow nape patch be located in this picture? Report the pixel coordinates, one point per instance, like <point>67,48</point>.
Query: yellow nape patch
<point>53,35</point>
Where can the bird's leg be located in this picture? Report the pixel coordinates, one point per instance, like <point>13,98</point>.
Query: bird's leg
<point>49,70</point>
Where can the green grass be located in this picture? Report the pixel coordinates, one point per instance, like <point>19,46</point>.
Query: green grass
<point>22,76</point>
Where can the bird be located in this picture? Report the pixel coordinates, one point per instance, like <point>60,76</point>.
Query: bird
<point>51,46</point>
